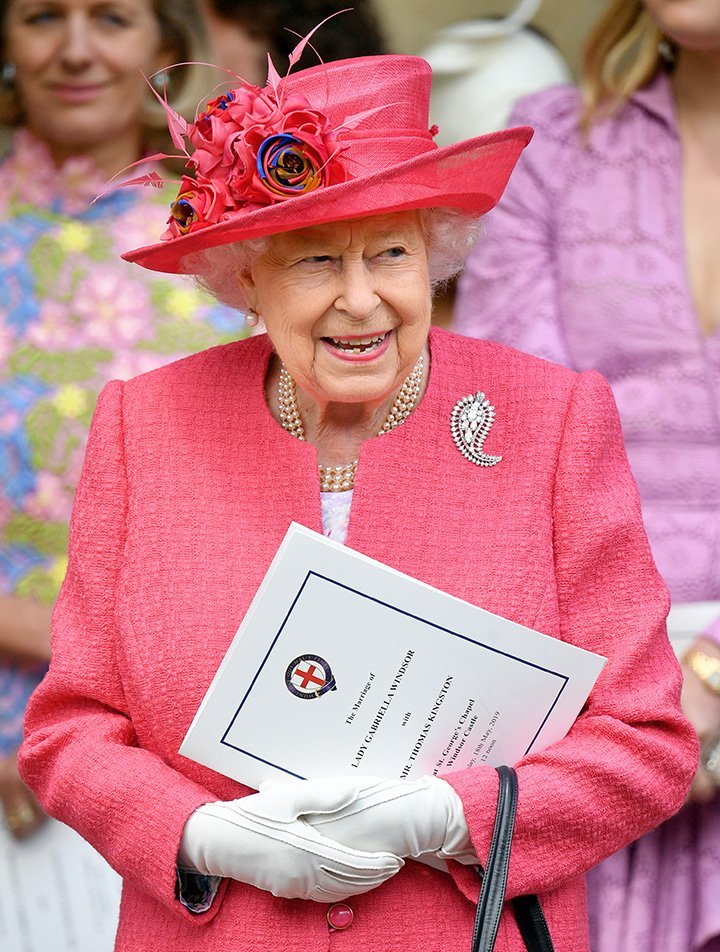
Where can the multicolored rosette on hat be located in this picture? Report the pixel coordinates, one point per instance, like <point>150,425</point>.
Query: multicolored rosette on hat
<point>287,167</point>
<point>197,204</point>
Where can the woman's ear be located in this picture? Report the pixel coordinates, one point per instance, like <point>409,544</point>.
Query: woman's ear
<point>248,288</point>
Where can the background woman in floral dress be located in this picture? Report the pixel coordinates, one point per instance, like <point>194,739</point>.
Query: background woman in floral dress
<point>73,315</point>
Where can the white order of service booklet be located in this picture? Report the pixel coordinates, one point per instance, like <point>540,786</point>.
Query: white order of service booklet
<point>345,665</point>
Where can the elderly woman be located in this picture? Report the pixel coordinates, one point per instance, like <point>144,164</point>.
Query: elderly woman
<point>321,203</point>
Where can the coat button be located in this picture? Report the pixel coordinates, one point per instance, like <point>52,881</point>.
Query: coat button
<point>340,916</point>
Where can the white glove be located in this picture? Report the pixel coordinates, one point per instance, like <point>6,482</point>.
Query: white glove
<point>406,817</point>
<point>263,840</point>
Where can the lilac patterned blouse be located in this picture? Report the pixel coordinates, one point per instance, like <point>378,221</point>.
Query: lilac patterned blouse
<point>583,262</point>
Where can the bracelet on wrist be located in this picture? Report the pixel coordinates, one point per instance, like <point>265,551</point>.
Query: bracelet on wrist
<point>706,667</point>
<point>710,758</point>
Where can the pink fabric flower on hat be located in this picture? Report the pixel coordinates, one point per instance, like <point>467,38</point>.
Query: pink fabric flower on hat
<point>199,203</point>
<point>253,149</point>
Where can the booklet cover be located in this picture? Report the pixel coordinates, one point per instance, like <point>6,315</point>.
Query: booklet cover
<point>345,665</point>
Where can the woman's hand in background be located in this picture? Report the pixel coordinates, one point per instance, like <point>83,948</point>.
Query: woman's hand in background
<point>24,629</point>
<point>22,813</point>
<point>702,708</point>
<point>24,639</point>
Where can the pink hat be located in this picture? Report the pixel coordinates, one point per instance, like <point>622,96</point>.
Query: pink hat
<point>345,139</point>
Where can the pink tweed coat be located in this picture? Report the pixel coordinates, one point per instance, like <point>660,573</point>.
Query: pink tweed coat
<point>188,488</point>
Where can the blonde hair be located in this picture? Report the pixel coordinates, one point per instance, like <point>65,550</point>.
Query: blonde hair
<point>183,39</point>
<point>621,56</point>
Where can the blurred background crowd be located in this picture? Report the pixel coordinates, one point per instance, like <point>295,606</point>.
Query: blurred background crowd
<point>603,254</point>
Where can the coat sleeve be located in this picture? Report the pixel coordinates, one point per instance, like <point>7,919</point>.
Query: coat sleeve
<point>626,764</point>
<point>508,291</point>
<point>80,753</point>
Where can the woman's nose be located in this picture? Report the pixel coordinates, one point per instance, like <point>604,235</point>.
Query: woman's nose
<point>358,297</point>
<point>77,49</point>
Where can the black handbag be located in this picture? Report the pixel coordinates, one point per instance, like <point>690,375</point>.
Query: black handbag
<point>527,909</point>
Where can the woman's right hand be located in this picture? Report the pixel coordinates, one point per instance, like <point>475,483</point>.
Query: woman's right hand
<point>22,813</point>
<point>409,817</point>
<point>263,840</point>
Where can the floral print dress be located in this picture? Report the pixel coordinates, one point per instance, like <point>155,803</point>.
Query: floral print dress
<point>73,315</point>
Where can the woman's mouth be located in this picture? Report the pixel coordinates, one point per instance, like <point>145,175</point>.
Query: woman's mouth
<point>357,346</point>
<point>78,94</point>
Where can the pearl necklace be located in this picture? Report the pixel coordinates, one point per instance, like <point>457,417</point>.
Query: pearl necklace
<point>336,479</point>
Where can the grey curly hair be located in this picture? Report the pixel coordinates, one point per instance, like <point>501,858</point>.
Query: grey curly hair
<point>449,235</point>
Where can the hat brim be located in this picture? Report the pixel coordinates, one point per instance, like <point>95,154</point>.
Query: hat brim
<point>469,175</point>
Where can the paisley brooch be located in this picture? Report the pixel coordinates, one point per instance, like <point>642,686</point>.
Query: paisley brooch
<point>470,424</point>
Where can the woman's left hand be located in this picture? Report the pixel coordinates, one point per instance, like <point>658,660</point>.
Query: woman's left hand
<point>404,817</point>
<point>702,708</point>
<point>22,813</point>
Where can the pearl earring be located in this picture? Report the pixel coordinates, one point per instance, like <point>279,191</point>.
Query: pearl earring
<point>252,317</point>
<point>8,73</point>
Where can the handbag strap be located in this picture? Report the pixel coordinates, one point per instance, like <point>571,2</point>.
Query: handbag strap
<point>528,911</point>
<point>532,924</point>
<point>492,891</point>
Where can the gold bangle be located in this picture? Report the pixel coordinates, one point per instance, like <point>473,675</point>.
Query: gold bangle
<point>706,667</point>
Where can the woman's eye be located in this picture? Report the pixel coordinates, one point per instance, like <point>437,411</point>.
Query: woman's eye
<point>113,18</point>
<point>109,17</point>
<point>40,16</point>
<point>318,259</point>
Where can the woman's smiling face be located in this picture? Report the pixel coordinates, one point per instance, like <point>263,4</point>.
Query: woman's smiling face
<point>347,305</point>
<point>79,66</point>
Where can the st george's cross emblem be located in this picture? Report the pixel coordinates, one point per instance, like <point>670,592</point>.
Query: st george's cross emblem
<point>309,676</point>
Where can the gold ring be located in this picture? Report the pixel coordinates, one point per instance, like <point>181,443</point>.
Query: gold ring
<point>21,816</point>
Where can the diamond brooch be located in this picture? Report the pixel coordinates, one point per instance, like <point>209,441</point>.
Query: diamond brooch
<point>470,424</point>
